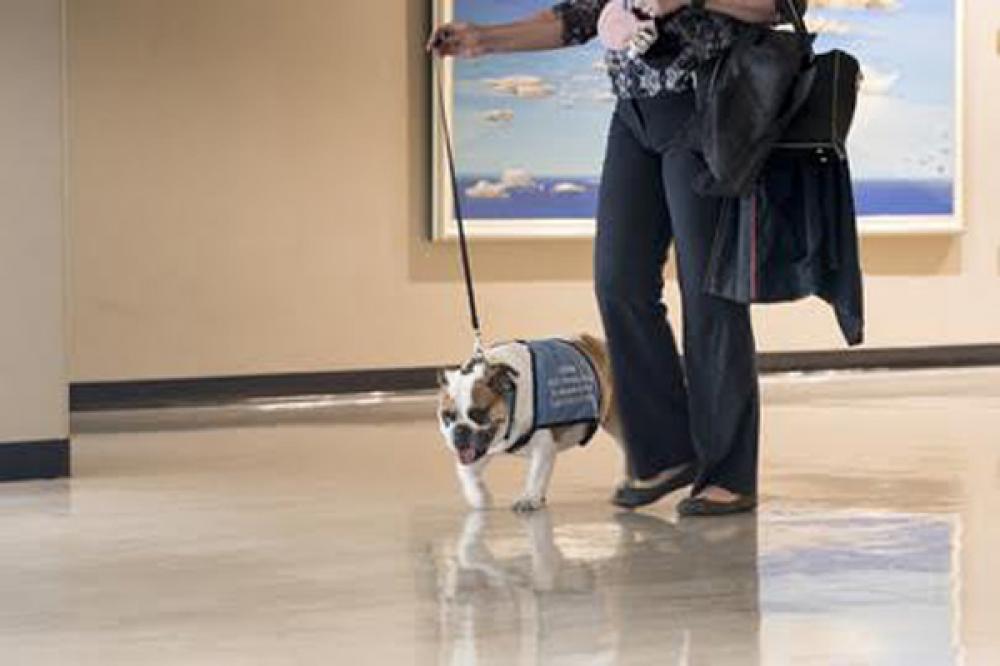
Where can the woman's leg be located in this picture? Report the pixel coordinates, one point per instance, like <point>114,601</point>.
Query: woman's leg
<point>719,347</point>
<point>633,236</point>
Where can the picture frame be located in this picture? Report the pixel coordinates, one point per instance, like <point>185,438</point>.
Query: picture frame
<point>500,107</point>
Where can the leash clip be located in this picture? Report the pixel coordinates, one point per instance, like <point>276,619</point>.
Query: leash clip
<point>478,356</point>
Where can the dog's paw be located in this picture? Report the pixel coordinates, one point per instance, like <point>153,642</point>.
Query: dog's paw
<point>527,504</point>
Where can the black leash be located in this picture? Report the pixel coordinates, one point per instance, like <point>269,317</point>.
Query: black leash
<point>477,353</point>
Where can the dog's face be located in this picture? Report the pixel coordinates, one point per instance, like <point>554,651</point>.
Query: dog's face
<point>472,412</point>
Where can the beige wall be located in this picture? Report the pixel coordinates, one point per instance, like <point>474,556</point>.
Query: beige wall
<point>33,400</point>
<point>250,193</point>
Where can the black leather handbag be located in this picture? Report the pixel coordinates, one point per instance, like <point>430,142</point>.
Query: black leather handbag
<point>829,84</point>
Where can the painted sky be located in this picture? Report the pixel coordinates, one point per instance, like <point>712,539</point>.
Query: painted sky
<point>548,112</point>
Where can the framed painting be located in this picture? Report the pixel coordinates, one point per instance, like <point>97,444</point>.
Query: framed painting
<point>529,128</point>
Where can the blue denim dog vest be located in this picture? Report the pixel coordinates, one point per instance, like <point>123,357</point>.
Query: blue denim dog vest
<point>565,389</point>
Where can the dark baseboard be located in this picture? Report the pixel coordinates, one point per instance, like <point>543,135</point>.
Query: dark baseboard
<point>890,358</point>
<point>25,461</point>
<point>203,391</point>
<point>209,391</point>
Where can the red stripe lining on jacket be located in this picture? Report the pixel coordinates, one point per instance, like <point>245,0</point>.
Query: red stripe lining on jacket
<point>753,247</point>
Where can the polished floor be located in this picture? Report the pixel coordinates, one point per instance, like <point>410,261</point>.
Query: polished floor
<point>318,532</point>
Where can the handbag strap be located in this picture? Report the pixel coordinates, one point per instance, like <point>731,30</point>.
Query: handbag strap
<point>800,25</point>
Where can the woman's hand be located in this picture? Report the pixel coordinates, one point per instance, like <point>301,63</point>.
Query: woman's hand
<point>465,40</point>
<point>659,7</point>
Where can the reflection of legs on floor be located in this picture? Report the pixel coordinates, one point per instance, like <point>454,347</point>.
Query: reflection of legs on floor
<point>686,593</point>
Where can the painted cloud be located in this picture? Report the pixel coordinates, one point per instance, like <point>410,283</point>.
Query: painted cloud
<point>876,82</point>
<point>821,25</point>
<point>568,188</point>
<point>530,87</point>
<point>498,116</point>
<point>510,179</point>
<point>884,5</point>
<point>485,189</point>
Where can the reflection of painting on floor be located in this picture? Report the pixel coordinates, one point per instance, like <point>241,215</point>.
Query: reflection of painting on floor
<point>880,586</point>
<point>531,127</point>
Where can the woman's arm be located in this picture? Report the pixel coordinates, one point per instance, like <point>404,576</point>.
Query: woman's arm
<point>540,31</point>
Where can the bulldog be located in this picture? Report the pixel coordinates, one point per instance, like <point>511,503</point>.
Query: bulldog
<point>529,398</point>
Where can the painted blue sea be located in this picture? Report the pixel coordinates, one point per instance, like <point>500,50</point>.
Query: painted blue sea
<point>545,198</point>
<point>904,197</point>
<point>486,197</point>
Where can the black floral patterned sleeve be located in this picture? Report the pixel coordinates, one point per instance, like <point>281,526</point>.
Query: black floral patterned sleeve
<point>579,19</point>
<point>688,38</point>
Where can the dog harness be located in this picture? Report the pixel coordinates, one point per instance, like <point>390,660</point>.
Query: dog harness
<point>556,385</point>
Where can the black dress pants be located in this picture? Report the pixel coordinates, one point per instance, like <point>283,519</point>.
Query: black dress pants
<point>706,410</point>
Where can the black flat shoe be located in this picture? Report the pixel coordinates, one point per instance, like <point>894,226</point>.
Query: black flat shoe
<point>701,506</point>
<point>631,497</point>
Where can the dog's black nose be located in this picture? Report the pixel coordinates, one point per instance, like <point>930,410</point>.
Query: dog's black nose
<point>462,433</point>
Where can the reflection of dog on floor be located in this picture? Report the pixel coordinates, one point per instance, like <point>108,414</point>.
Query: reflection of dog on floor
<point>523,602</point>
<point>472,553</point>
<point>611,590</point>
<point>533,398</point>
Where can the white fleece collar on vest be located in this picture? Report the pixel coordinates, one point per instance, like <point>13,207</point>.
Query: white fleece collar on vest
<point>518,356</point>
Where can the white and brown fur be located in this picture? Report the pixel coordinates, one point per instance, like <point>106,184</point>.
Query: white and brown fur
<point>477,393</point>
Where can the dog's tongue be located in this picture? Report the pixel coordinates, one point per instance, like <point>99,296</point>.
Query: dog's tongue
<point>467,455</point>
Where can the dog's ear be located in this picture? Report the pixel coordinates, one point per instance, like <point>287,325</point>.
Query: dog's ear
<point>500,378</point>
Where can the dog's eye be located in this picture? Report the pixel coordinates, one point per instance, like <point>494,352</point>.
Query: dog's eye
<point>479,415</point>
<point>448,416</point>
